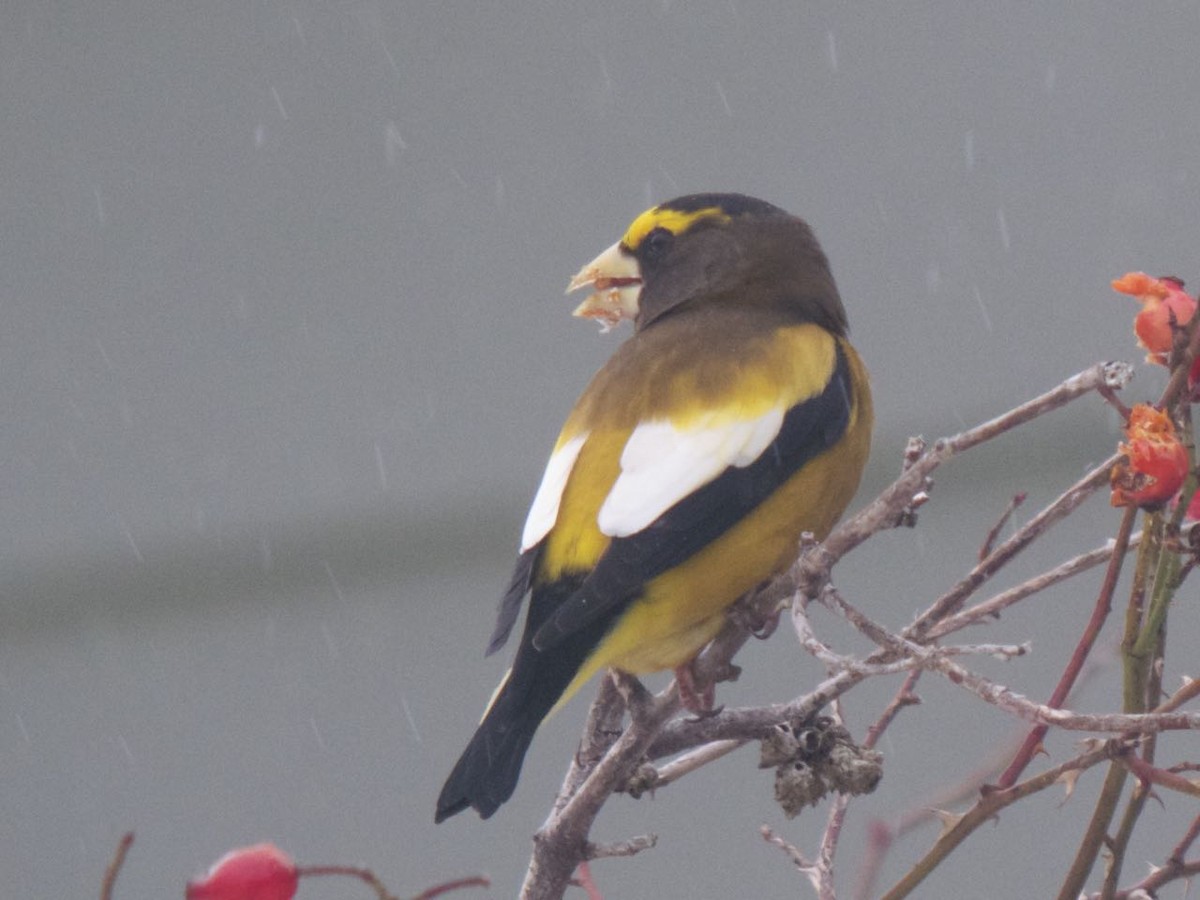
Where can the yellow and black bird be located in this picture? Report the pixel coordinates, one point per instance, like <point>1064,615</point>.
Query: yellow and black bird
<point>735,418</point>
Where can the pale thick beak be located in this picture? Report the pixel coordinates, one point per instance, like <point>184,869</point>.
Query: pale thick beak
<point>615,277</point>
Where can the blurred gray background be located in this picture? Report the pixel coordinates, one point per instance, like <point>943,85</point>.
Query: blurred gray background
<point>285,347</point>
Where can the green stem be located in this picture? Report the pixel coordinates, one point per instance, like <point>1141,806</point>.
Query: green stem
<point>1166,576</point>
<point>1096,834</point>
<point>1094,837</point>
<point>1137,802</point>
<point>1150,559</point>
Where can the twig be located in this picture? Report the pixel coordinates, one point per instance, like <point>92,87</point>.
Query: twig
<point>903,697</point>
<point>114,866</point>
<point>372,880</point>
<point>829,844</point>
<point>989,542</point>
<point>750,723</point>
<point>689,762</point>
<point>992,607</point>
<point>1148,886</point>
<point>835,662</point>
<point>1189,691</point>
<point>558,844</point>
<point>882,834</point>
<point>1179,851</point>
<point>1176,867</point>
<point>1096,832</point>
<point>1149,774</point>
<point>802,864</point>
<point>834,822</point>
<point>1083,648</point>
<point>937,659</point>
<point>1064,505</point>
<point>812,569</point>
<point>988,805</point>
<point>998,695</point>
<point>896,644</point>
<point>631,847</point>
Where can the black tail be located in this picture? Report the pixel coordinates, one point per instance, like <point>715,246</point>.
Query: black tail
<point>486,774</point>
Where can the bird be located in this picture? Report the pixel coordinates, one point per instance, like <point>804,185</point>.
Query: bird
<point>733,420</point>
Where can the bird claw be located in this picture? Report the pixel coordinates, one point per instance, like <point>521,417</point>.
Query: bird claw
<point>765,626</point>
<point>703,714</point>
<point>694,700</point>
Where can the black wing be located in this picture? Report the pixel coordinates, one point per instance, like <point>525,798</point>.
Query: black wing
<point>510,603</point>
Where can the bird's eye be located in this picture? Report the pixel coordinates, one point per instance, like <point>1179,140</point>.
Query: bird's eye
<point>656,243</point>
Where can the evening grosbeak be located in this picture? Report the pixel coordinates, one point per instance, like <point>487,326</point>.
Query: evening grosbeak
<point>735,418</point>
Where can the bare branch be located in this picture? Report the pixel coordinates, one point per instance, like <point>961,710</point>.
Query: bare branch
<point>989,542</point>
<point>1180,850</point>
<point>802,864</point>
<point>691,761</point>
<point>990,803</point>
<point>992,607</point>
<point>1150,774</point>
<point>903,697</point>
<point>998,695</point>
<point>1064,505</point>
<point>1083,648</point>
<point>1159,878</point>
<point>600,732</point>
<point>1189,691</point>
<point>812,569</point>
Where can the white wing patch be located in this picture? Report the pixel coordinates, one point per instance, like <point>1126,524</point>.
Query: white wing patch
<point>662,463</point>
<point>543,513</point>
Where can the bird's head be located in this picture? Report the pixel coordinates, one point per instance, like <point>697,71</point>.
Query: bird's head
<point>706,249</point>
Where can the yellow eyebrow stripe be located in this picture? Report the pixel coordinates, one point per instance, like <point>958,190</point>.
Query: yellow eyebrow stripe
<point>674,220</point>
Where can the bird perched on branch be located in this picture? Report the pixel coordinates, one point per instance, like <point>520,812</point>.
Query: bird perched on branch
<point>734,419</point>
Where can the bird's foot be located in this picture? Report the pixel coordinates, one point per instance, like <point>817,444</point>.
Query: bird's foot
<point>698,701</point>
<point>583,879</point>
